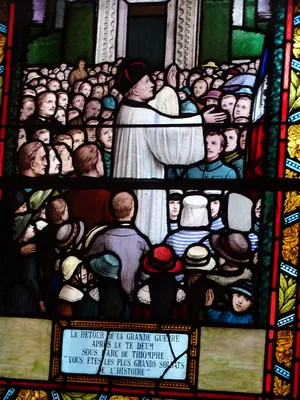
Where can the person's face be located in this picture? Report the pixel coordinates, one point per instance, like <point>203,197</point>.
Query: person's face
<point>39,164</point>
<point>92,109</point>
<point>65,85</point>
<point>159,84</point>
<point>63,100</point>
<point>72,114</point>
<point>209,71</point>
<point>217,83</point>
<point>106,114</point>
<point>182,95</point>
<point>193,77</point>
<point>243,139</point>
<point>211,102</point>
<point>232,138</point>
<point>76,86</point>
<point>93,81</point>
<point>21,137</point>
<point>91,134</point>
<point>61,116</point>
<point>81,65</point>
<point>98,92</point>
<point>214,208</point>
<point>85,89</point>
<point>114,92</point>
<point>213,147</point>
<point>228,103</point>
<point>66,162</point>
<point>258,209</point>
<point>174,208</point>
<point>106,137</point>
<point>28,234</point>
<point>200,88</point>
<point>78,102</point>
<point>45,137</point>
<point>63,67</point>
<point>144,88</point>
<point>114,70</point>
<point>240,303</point>
<point>43,81</point>
<point>48,105</point>
<point>105,67</point>
<point>44,71</point>
<point>54,163</point>
<point>242,108</point>
<point>60,76</point>
<point>27,110</point>
<point>78,139</point>
<point>102,78</point>
<point>54,86</point>
<point>21,209</point>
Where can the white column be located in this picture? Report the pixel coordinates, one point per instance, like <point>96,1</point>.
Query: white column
<point>122,28</point>
<point>106,30</point>
<point>171,33</point>
<point>60,14</point>
<point>238,12</point>
<point>187,39</point>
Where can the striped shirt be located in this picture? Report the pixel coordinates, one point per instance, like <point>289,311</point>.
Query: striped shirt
<point>217,224</point>
<point>180,240</point>
<point>173,226</point>
<point>253,240</point>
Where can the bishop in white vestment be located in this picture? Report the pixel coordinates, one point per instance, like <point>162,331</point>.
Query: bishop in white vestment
<point>142,151</point>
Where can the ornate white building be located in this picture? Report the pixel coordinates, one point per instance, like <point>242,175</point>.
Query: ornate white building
<point>182,30</point>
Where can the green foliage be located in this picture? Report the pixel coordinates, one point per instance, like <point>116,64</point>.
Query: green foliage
<point>246,44</point>
<point>45,50</point>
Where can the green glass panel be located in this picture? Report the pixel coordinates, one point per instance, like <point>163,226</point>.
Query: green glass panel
<point>215,30</point>
<point>249,21</point>
<point>246,44</point>
<point>45,50</point>
<point>79,32</point>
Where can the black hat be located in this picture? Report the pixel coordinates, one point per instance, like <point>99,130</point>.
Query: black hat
<point>175,194</point>
<point>20,199</point>
<point>129,75</point>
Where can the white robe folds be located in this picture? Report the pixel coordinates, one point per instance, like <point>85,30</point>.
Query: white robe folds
<point>141,152</point>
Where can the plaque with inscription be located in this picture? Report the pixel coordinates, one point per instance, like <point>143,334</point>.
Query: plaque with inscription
<point>94,352</point>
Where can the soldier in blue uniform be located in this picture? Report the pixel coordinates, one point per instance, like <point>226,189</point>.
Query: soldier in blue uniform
<point>213,168</point>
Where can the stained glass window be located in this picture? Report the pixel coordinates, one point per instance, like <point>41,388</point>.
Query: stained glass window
<point>149,157</point>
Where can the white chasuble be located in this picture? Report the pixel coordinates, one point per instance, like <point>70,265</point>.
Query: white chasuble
<point>141,152</point>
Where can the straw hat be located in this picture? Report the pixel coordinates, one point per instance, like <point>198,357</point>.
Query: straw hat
<point>199,258</point>
<point>210,64</point>
<point>68,266</point>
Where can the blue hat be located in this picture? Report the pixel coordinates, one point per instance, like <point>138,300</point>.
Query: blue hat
<point>188,107</point>
<point>187,90</point>
<point>245,90</point>
<point>106,265</point>
<point>109,102</point>
<point>243,287</point>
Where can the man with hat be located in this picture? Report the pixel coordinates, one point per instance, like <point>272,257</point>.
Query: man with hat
<point>234,252</point>
<point>143,152</point>
<point>210,68</point>
<point>198,262</point>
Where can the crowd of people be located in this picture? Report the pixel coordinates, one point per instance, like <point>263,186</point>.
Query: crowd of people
<point>79,253</point>
<point>68,115</point>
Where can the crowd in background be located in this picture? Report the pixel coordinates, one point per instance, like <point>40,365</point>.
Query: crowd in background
<point>67,114</point>
<point>80,254</point>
